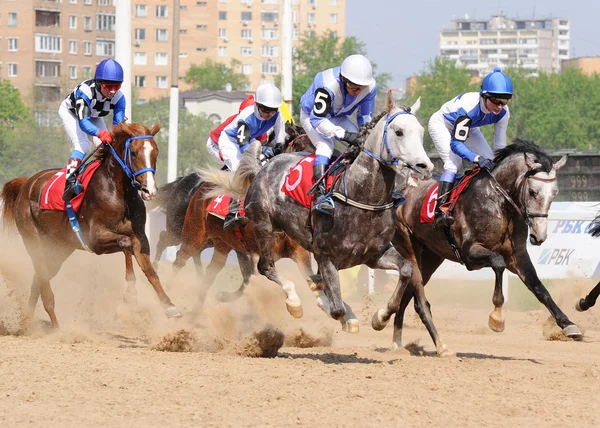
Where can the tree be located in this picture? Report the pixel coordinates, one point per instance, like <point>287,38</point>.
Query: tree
<point>318,53</point>
<point>214,76</point>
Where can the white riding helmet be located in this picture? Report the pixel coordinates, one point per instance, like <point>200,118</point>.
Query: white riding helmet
<point>268,95</point>
<point>357,69</point>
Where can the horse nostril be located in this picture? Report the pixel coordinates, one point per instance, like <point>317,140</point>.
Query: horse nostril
<point>421,166</point>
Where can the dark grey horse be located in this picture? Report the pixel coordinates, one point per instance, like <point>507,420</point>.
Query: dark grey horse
<point>493,219</point>
<point>362,228</point>
<point>588,301</point>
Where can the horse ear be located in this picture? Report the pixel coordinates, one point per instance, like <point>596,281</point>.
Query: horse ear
<point>389,102</point>
<point>531,161</point>
<point>416,106</point>
<point>155,129</point>
<point>562,161</point>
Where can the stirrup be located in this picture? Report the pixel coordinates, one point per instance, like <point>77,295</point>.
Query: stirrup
<point>324,205</point>
<point>235,220</point>
<point>442,220</point>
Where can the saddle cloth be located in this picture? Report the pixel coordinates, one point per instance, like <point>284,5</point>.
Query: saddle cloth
<point>428,207</point>
<point>51,198</point>
<point>219,206</point>
<point>300,179</point>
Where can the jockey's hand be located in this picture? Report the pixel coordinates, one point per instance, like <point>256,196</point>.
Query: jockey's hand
<point>278,149</point>
<point>485,163</point>
<point>339,132</point>
<point>268,152</point>
<point>351,138</point>
<point>105,136</point>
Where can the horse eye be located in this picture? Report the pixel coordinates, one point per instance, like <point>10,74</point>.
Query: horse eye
<point>133,154</point>
<point>399,133</point>
<point>532,193</point>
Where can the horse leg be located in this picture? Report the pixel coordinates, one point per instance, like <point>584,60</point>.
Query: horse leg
<point>165,239</point>
<point>217,262</point>
<point>588,301</point>
<point>130,294</point>
<point>247,269</point>
<point>331,287</point>
<point>520,264</point>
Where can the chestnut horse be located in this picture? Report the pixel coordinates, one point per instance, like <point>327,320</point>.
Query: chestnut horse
<point>112,215</point>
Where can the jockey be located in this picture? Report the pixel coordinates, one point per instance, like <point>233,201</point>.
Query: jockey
<point>82,113</point>
<point>211,144</point>
<point>325,109</point>
<point>454,129</point>
<point>252,122</point>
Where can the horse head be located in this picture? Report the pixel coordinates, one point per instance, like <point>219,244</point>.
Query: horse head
<point>296,140</point>
<point>529,175</point>
<point>397,140</point>
<point>136,152</point>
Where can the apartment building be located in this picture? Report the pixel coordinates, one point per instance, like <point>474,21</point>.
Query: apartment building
<point>48,46</point>
<point>481,45</point>
<point>588,65</point>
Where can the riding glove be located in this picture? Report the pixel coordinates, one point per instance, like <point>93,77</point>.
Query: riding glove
<point>485,163</point>
<point>351,137</point>
<point>105,136</point>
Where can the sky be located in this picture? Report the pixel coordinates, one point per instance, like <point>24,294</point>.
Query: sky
<point>402,36</point>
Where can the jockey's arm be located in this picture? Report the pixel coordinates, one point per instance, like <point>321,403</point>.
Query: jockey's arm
<point>279,131</point>
<point>320,114</point>
<point>119,111</point>
<point>460,134</point>
<point>500,131</point>
<point>366,108</point>
<point>243,135</point>
<point>84,115</point>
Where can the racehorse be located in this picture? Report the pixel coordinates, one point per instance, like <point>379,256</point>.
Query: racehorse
<point>362,227</point>
<point>588,301</point>
<point>492,217</point>
<point>112,215</point>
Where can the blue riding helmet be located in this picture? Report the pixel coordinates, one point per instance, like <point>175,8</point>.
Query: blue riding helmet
<point>497,85</point>
<point>109,70</point>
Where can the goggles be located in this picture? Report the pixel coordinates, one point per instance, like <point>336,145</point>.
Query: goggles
<point>498,101</point>
<point>353,86</point>
<point>265,109</point>
<point>111,86</point>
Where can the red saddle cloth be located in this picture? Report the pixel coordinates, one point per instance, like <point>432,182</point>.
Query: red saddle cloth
<point>428,207</point>
<point>55,187</point>
<point>219,206</point>
<point>300,179</point>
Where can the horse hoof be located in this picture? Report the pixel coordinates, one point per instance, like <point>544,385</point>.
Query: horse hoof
<point>573,332</point>
<point>496,325</point>
<point>225,297</point>
<point>377,321</point>
<point>581,305</point>
<point>444,352</point>
<point>173,312</point>
<point>351,326</point>
<point>294,309</point>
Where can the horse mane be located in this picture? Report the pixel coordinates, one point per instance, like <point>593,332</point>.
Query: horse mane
<point>525,147</point>
<point>365,130</point>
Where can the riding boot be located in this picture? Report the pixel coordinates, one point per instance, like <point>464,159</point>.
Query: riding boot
<point>233,217</point>
<point>441,219</point>
<point>72,188</point>
<point>321,203</point>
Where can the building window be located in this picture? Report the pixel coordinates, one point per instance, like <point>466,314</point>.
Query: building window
<point>201,27</point>
<point>222,51</point>
<point>87,48</point>
<point>222,16</point>
<point>140,101</point>
<point>73,1</point>
<point>270,51</point>
<point>246,16</point>
<point>72,22</point>
<point>332,2</point>
<point>140,81</point>
<point>139,58</point>
<point>333,18</point>
<point>12,22</point>
<point>13,44</point>
<point>200,49</point>
<point>247,69</point>
<point>105,48</point>
<point>269,68</point>
<point>312,18</point>
<point>48,43</point>
<point>140,34</point>
<point>104,2</point>
<point>246,51</point>
<point>161,35</point>
<point>270,17</point>
<point>87,23</point>
<point>246,34</point>
<point>295,34</point>
<point>47,69</point>
<point>72,72</point>
<point>87,72</point>
<point>203,3</point>
<point>161,82</point>
<point>105,22</point>
<point>312,3</point>
<point>183,55</point>
<point>12,69</point>
<point>45,18</point>
<point>161,12</point>
<point>269,34</point>
<point>73,47</point>
<point>161,58</point>
<point>88,2</point>
<point>141,10</point>
<point>215,118</point>
<point>269,1</point>
<point>222,33</point>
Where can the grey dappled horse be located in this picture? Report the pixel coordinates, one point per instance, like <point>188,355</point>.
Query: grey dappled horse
<point>493,219</point>
<point>354,235</point>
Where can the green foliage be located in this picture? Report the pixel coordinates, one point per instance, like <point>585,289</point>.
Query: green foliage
<point>191,145</point>
<point>213,76</point>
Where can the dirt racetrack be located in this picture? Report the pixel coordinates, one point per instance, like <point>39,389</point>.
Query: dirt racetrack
<point>104,367</point>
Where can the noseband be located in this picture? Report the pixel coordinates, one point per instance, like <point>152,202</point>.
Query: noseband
<point>385,143</point>
<point>126,161</point>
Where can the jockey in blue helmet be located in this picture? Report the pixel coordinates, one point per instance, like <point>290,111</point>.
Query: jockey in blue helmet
<point>454,129</point>
<point>82,113</point>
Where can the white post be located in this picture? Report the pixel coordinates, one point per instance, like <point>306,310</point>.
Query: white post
<point>371,282</point>
<point>174,102</point>
<point>123,48</point>
<point>286,53</point>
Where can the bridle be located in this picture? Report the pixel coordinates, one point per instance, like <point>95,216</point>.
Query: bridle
<point>126,164</point>
<point>385,143</point>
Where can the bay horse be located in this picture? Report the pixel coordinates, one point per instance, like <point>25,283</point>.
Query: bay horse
<point>494,217</point>
<point>112,215</point>
<point>588,301</point>
<point>362,228</point>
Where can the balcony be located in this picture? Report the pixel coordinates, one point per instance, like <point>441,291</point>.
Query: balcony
<point>47,18</point>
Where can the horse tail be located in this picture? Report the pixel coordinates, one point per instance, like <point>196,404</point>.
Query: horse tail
<point>10,193</point>
<point>236,184</point>
<point>594,228</point>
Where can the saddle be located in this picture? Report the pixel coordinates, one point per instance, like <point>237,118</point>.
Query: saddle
<point>428,207</point>
<point>219,206</point>
<point>51,196</point>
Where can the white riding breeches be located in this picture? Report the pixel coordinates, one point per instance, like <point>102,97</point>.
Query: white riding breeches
<point>79,140</point>
<point>213,150</point>
<point>441,137</point>
<point>323,144</point>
